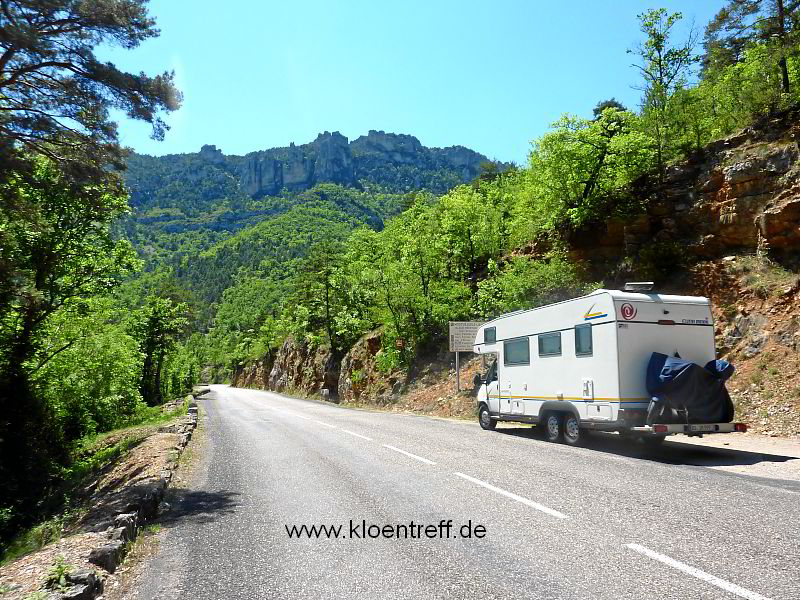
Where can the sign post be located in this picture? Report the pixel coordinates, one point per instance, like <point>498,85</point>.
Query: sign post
<point>462,337</point>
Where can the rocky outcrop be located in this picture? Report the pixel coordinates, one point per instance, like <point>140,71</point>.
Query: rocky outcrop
<point>300,367</point>
<point>331,158</point>
<point>742,191</point>
<point>334,162</point>
<point>360,379</point>
<point>303,369</point>
<point>254,374</point>
<point>210,153</point>
<point>397,148</point>
<point>261,175</point>
<point>297,367</point>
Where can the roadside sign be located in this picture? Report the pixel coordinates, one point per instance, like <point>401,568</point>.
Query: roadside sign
<point>462,335</point>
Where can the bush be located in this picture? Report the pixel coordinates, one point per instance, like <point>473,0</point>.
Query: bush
<point>93,385</point>
<point>526,283</point>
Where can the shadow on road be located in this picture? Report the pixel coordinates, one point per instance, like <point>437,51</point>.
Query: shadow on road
<point>670,452</point>
<point>197,506</point>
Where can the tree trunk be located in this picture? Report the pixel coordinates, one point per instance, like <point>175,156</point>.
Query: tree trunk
<point>328,320</point>
<point>782,42</point>
<point>159,399</point>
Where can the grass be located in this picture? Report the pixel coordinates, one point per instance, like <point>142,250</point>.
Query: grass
<point>89,457</point>
<point>762,276</point>
<point>39,535</point>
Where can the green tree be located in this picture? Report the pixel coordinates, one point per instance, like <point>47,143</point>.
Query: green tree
<point>604,104</point>
<point>577,169</point>
<point>55,95</point>
<point>55,249</point>
<point>664,66</point>
<point>524,283</point>
<point>157,327</point>
<point>91,381</point>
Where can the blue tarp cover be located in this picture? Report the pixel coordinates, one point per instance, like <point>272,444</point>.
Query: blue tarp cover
<point>680,385</point>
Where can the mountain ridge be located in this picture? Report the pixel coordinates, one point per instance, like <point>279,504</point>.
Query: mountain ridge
<point>395,163</point>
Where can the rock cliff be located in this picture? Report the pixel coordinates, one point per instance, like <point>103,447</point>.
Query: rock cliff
<point>331,158</point>
<point>297,367</point>
<point>740,192</point>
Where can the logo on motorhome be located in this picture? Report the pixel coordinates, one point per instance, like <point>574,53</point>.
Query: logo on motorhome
<point>628,311</point>
<point>593,315</point>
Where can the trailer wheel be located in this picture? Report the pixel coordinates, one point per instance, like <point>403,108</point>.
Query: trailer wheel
<point>572,429</point>
<point>485,419</point>
<point>552,427</point>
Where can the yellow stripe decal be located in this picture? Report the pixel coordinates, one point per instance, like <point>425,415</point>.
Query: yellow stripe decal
<point>573,398</point>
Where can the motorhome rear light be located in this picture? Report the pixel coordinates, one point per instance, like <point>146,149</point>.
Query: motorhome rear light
<point>660,428</point>
<point>741,427</point>
<point>666,322</point>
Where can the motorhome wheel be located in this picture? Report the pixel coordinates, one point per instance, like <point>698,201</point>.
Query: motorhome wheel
<point>485,419</point>
<point>552,427</point>
<point>572,430</point>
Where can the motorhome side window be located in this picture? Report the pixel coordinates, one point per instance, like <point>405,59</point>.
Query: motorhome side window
<point>489,335</point>
<point>583,340</point>
<point>550,344</point>
<point>516,352</point>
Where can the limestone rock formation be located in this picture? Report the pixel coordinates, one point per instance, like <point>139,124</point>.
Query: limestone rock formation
<point>398,148</point>
<point>334,162</point>
<point>299,367</point>
<point>331,158</point>
<point>261,175</point>
<point>358,371</point>
<point>210,153</point>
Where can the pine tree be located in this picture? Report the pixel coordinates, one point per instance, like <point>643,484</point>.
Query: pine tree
<point>55,94</point>
<point>743,22</point>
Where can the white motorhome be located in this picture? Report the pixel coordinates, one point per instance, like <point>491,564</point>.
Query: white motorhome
<point>581,363</point>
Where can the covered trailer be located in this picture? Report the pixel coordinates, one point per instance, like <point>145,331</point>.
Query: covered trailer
<point>583,364</point>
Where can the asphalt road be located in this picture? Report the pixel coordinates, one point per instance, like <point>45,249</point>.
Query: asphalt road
<point>609,520</point>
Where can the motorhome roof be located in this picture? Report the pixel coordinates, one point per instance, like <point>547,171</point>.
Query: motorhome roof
<point>619,295</point>
<point>652,297</point>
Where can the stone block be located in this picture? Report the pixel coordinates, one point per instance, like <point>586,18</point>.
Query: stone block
<point>108,556</point>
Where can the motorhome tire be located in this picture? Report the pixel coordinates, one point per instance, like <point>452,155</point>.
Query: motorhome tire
<point>553,426</point>
<point>571,429</point>
<point>485,419</point>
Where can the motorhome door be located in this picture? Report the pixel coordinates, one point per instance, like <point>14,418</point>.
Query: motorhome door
<point>492,387</point>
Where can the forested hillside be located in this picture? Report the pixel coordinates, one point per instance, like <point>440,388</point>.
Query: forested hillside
<point>207,217</point>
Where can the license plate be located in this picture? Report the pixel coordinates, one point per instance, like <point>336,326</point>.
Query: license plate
<point>702,428</point>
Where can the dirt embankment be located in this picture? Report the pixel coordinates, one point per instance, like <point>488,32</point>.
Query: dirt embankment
<point>757,316</point>
<point>121,492</point>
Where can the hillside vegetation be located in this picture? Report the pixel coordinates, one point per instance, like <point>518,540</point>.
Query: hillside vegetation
<point>117,291</point>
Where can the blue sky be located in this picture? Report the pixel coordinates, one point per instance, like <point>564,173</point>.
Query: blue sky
<point>487,75</point>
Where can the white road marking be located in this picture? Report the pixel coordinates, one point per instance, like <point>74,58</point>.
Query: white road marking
<point>324,423</point>
<point>720,583</point>
<point>425,460</point>
<point>358,435</point>
<point>525,501</point>
<point>292,414</point>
